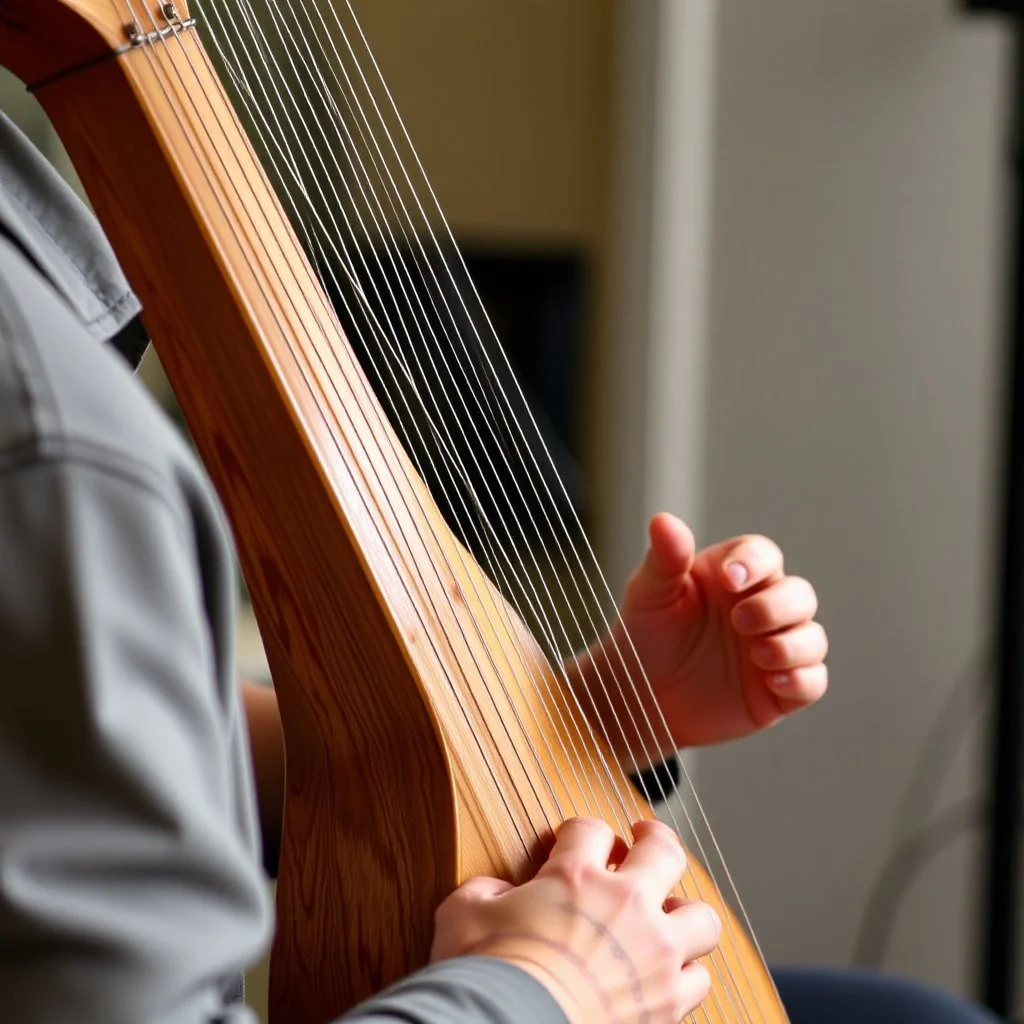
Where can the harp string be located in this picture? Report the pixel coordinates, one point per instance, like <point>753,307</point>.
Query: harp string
<point>587,775</point>
<point>402,131</point>
<point>204,128</point>
<point>457,470</point>
<point>266,48</point>
<point>279,30</point>
<point>648,757</point>
<point>622,823</point>
<point>492,386</point>
<point>344,258</point>
<point>384,332</point>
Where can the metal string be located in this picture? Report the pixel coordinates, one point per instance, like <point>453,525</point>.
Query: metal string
<point>379,329</point>
<point>503,396</point>
<point>556,510</point>
<point>360,218</point>
<point>458,469</point>
<point>637,730</point>
<point>307,35</point>
<point>165,42</point>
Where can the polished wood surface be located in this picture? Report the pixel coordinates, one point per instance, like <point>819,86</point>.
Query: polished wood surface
<point>427,738</point>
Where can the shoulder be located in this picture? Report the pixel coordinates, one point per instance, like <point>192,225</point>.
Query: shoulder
<point>61,236</point>
<point>65,396</point>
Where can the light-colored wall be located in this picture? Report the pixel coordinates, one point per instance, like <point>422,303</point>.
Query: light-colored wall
<point>645,430</point>
<point>852,414</point>
<point>507,106</point>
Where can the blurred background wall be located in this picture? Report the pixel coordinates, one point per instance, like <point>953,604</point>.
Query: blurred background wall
<point>794,243</point>
<point>788,217</point>
<point>853,413</point>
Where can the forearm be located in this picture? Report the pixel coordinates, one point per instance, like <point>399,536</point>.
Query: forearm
<point>266,741</point>
<point>610,687</point>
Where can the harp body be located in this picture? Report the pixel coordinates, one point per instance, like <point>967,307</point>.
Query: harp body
<point>420,716</point>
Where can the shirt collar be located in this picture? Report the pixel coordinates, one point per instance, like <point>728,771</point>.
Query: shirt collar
<point>58,233</point>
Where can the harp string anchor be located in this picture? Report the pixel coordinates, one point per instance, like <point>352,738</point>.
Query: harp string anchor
<point>137,36</point>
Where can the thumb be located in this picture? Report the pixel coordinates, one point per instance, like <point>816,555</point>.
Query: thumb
<point>669,558</point>
<point>483,888</point>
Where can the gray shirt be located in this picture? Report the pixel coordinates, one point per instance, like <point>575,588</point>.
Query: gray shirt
<point>130,883</point>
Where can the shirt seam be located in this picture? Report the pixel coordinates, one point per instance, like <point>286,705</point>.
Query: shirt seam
<point>14,325</point>
<point>43,450</point>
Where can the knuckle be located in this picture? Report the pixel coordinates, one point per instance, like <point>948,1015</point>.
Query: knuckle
<point>661,832</point>
<point>700,929</point>
<point>661,950</point>
<point>566,871</point>
<point>588,824</point>
<point>576,874</point>
<point>670,847</point>
<point>628,895</point>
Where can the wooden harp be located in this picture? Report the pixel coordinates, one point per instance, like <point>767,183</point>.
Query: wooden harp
<point>429,736</point>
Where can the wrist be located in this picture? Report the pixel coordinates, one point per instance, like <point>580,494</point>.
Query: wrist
<point>577,996</point>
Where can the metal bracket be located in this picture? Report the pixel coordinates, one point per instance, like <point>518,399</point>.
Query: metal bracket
<point>137,36</point>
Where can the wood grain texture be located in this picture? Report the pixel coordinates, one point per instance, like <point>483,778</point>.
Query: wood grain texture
<point>427,738</point>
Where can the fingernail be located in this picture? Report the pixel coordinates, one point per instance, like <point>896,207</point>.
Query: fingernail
<point>737,573</point>
<point>780,679</point>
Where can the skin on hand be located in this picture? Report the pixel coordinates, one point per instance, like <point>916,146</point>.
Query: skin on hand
<point>726,639</point>
<point>612,946</point>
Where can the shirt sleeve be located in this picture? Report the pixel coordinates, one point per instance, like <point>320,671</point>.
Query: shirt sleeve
<point>128,891</point>
<point>467,990</point>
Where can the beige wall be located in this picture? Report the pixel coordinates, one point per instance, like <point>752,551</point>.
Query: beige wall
<point>852,413</point>
<point>507,105</point>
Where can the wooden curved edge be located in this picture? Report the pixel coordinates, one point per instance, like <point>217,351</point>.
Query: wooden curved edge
<point>40,39</point>
<point>741,987</point>
<point>368,854</point>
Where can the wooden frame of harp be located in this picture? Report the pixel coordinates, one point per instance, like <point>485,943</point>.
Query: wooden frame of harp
<point>427,734</point>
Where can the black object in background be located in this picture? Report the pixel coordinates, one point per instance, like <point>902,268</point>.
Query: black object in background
<point>658,782</point>
<point>1000,897</point>
<point>441,339</point>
